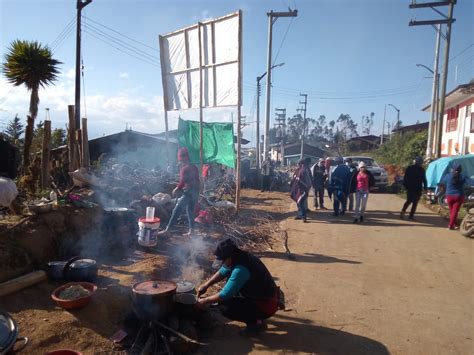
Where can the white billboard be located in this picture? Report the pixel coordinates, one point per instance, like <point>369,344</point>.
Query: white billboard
<point>206,54</point>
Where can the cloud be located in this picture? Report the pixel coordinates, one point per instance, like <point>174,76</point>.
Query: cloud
<point>123,75</point>
<point>71,73</point>
<point>106,114</point>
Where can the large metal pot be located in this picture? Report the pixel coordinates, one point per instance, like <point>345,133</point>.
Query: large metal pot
<point>9,334</point>
<point>153,300</point>
<point>75,269</point>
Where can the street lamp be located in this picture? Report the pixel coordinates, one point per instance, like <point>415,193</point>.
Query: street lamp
<point>258,116</point>
<point>434,110</point>
<point>398,115</point>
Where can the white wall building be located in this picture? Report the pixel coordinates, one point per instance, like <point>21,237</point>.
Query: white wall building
<point>458,122</point>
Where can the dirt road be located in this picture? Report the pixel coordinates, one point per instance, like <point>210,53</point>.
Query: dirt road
<point>384,286</point>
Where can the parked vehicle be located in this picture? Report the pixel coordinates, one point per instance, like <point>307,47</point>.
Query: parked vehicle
<point>379,173</point>
<point>467,225</point>
<point>438,168</point>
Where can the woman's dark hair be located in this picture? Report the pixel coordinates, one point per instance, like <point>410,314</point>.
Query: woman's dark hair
<point>456,173</point>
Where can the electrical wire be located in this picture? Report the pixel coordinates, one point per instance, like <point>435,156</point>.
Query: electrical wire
<point>66,28</point>
<point>121,43</point>
<point>121,34</point>
<point>460,53</point>
<point>63,40</point>
<point>120,49</point>
<point>283,40</point>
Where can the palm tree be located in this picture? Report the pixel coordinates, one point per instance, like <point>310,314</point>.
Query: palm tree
<point>31,64</point>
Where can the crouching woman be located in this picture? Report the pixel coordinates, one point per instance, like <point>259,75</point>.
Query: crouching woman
<point>249,295</point>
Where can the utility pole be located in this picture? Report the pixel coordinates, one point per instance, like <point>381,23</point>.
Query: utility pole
<point>281,131</point>
<point>303,130</point>
<point>77,103</point>
<point>272,17</point>
<point>398,116</point>
<point>448,20</point>
<point>259,92</point>
<point>383,124</point>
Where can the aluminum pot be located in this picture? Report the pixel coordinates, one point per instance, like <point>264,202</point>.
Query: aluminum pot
<point>9,334</point>
<point>154,299</point>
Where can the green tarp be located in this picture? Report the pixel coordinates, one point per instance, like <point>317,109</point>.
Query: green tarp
<point>218,142</point>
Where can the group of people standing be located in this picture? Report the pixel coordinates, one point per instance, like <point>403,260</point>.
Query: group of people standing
<point>345,182</point>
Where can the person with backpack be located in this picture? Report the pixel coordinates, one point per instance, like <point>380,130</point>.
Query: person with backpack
<point>453,184</point>
<point>340,180</point>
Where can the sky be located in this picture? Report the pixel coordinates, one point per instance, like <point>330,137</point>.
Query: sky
<point>349,56</point>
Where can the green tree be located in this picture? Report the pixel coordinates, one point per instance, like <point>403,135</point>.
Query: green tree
<point>58,137</point>
<point>31,64</point>
<point>14,131</point>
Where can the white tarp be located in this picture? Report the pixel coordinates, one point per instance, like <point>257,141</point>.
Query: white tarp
<point>220,64</point>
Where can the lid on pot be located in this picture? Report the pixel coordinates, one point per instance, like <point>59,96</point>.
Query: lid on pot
<point>184,286</point>
<point>8,332</point>
<point>154,287</point>
<point>83,263</point>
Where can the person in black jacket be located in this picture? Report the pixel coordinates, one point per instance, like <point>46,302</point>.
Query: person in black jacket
<point>319,176</point>
<point>249,295</point>
<point>414,182</point>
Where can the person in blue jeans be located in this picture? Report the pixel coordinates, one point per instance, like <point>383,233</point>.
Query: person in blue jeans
<point>339,185</point>
<point>189,184</point>
<point>249,295</point>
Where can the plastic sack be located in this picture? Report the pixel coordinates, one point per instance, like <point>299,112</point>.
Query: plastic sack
<point>81,178</point>
<point>161,198</point>
<point>8,191</point>
<point>225,204</point>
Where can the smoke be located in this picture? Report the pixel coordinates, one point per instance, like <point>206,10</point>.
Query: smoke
<point>193,258</point>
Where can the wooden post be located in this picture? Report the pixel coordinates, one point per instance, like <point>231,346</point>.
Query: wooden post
<point>45,152</point>
<point>200,100</point>
<point>71,143</point>
<point>79,148</point>
<point>85,145</point>
<point>239,127</point>
<point>165,100</point>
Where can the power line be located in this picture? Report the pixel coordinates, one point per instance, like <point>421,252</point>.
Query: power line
<point>121,50</point>
<point>120,42</point>
<point>465,49</point>
<point>283,40</point>
<point>66,28</point>
<point>121,34</point>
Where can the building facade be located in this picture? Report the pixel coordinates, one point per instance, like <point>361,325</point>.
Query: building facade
<point>458,122</point>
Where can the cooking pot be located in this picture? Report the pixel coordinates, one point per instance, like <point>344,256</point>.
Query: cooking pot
<point>154,299</point>
<point>186,306</point>
<point>9,334</point>
<point>184,286</point>
<point>75,269</point>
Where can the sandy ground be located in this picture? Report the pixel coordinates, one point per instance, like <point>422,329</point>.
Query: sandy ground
<point>384,286</point>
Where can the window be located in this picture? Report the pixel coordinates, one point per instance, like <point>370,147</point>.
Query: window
<point>472,122</point>
<point>452,119</point>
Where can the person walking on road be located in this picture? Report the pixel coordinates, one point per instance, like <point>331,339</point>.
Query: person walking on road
<point>414,182</point>
<point>363,180</point>
<point>267,171</point>
<point>300,186</point>
<point>453,185</point>
<point>319,175</point>
<point>339,184</point>
<point>352,188</point>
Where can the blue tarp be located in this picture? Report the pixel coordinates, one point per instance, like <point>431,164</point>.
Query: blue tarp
<point>440,167</point>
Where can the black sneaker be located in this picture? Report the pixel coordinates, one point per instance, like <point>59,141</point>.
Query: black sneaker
<point>297,218</point>
<point>355,220</point>
<point>343,213</point>
<point>361,218</point>
<point>411,217</point>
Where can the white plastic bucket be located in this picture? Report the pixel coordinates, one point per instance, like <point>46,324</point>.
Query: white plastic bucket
<point>148,231</point>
